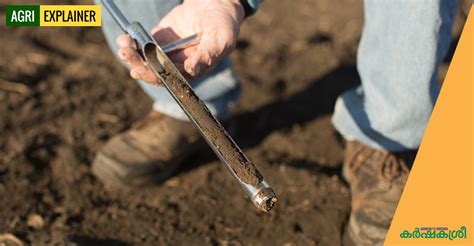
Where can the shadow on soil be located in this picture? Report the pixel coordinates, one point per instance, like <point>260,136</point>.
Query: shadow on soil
<point>250,128</point>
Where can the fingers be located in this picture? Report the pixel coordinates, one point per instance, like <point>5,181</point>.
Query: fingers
<point>197,62</point>
<point>130,56</point>
<point>138,70</point>
<point>125,41</point>
<point>214,46</point>
<point>142,72</point>
<point>127,51</point>
<point>194,61</point>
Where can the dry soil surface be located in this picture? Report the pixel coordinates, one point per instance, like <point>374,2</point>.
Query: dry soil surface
<point>63,95</point>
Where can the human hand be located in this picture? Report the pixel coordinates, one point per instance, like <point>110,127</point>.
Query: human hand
<point>218,22</point>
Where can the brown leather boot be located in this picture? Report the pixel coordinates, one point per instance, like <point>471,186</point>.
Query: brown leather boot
<point>376,179</point>
<point>149,152</point>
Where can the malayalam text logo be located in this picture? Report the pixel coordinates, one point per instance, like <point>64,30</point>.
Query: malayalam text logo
<point>435,233</point>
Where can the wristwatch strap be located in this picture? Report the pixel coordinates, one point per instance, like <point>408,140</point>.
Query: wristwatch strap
<point>250,6</point>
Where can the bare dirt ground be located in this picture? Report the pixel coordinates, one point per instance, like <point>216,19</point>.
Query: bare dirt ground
<point>63,95</point>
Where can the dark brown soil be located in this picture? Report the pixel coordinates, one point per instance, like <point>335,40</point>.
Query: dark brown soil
<point>210,128</point>
<point>63,95</point>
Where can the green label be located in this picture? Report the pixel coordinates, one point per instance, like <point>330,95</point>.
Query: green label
<point>23,15</point>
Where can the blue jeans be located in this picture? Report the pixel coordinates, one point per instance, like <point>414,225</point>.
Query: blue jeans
<point>220,90</point>
<point>401,46</point>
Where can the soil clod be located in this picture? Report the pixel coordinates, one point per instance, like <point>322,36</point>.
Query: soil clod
<point>35,221</point>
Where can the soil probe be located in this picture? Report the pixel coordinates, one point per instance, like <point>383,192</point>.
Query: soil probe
<point>213,132</point>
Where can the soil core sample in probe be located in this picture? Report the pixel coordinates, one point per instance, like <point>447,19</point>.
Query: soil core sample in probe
<point>210,128</point>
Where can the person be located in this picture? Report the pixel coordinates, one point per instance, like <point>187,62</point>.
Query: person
<point>382,120</point>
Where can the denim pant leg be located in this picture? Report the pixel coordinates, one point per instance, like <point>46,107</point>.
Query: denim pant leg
<point>401,46</point>
<point>219,90</point>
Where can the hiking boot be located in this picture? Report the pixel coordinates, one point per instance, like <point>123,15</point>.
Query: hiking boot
<point>376,179</point>
<point>149,152</point>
